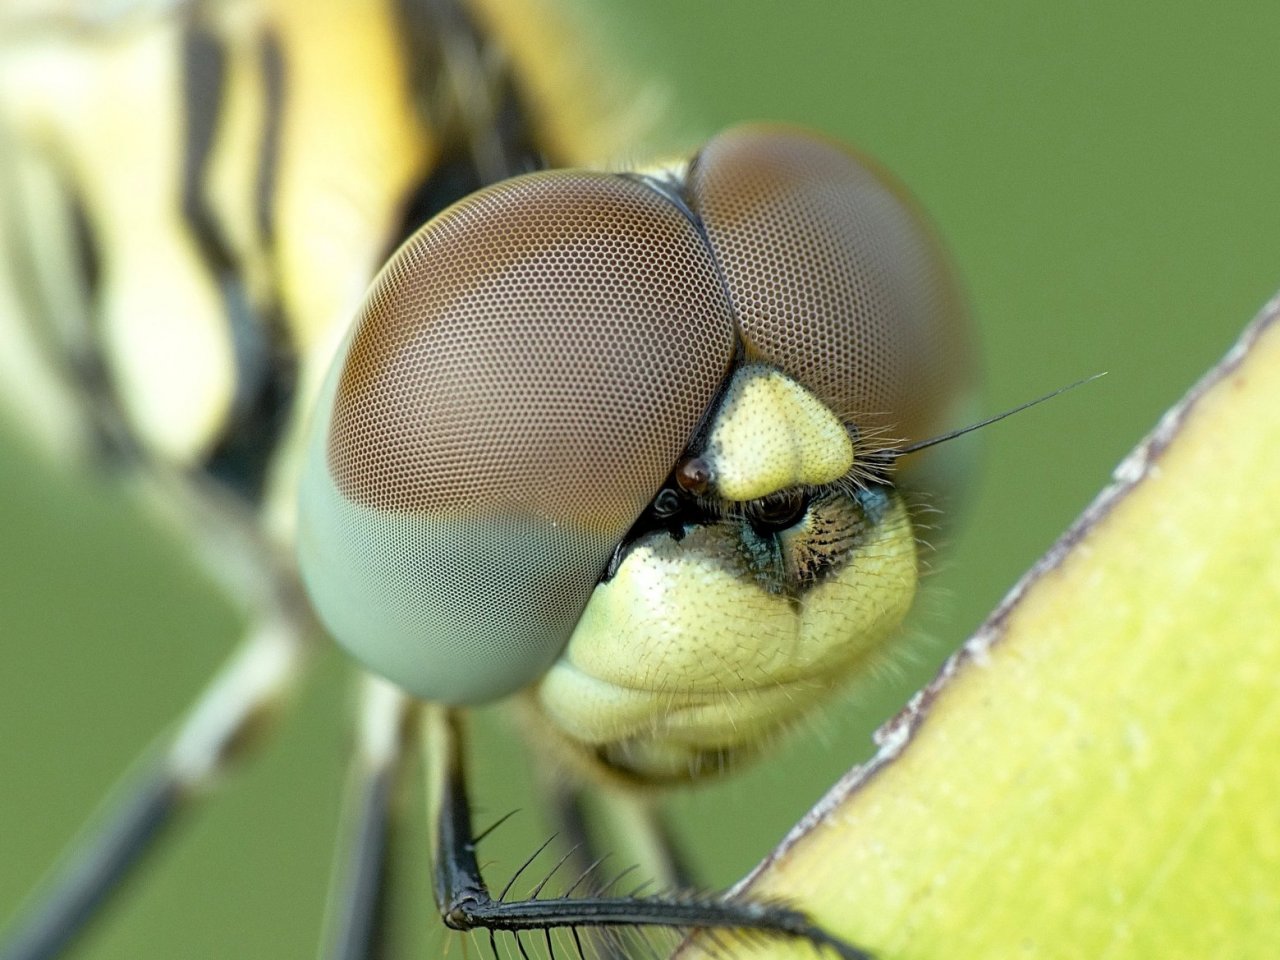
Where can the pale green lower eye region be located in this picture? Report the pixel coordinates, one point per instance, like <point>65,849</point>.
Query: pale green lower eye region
<point>686,653</point>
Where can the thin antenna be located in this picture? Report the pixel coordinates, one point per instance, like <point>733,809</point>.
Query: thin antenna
<point>895,453</point>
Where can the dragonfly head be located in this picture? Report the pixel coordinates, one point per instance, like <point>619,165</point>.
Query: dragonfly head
<point>607,438</point>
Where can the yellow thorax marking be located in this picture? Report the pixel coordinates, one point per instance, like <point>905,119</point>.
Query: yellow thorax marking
<point>772,434</point>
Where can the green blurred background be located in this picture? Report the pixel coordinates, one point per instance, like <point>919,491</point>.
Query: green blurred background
<point>1106,177</point>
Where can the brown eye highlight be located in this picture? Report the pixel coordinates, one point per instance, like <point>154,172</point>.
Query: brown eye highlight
<point>693,475</point>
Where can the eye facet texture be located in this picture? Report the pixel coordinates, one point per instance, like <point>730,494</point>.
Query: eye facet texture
<point>524,374</point>
<point>835,277</point>
<point>531,365</point>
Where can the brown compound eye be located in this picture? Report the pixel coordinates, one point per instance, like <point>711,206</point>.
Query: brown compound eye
<point>523,376</point>
<point>836,278</point>
<point>529,368</point>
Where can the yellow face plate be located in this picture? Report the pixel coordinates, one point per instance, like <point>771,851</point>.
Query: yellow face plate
<point>710,640</point>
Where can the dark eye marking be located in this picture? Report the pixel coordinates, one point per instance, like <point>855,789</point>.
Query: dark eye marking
<point>776,511</point>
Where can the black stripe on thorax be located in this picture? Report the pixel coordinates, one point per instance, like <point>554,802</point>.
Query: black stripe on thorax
<point>445,49</point>
<point>271,62</point>
<point>265,361</point>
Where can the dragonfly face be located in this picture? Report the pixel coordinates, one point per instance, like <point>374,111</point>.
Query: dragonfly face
<point>610,439</point>
<point>607,444</point>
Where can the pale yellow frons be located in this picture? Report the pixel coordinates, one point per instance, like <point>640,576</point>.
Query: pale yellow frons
<point>1096,774</point>
<point>771,434</point>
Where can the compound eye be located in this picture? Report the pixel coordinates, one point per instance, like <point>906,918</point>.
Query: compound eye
<point>519,383</point>
<point>836,279</point>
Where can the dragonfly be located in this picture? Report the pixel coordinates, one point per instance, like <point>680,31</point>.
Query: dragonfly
<point>595,386</point>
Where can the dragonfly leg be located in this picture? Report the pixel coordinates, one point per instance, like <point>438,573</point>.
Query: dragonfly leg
<point>632,820</point>
<point>162,785</point>
<point>466,903</point>
<point>358,888</point>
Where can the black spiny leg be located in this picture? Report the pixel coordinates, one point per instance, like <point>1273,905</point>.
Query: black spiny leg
<point>466,903</point>
<point>166,784</point>
<point>357,898</point>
